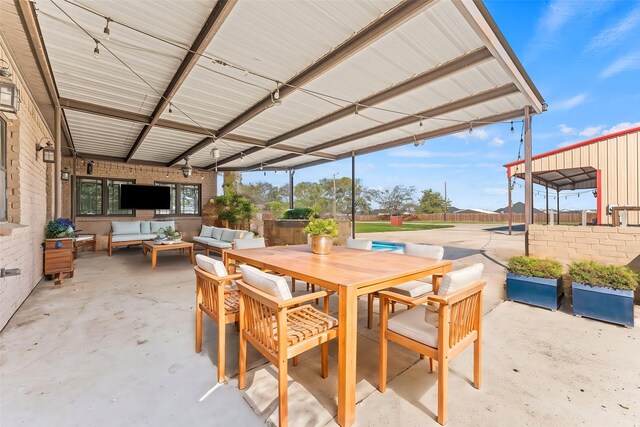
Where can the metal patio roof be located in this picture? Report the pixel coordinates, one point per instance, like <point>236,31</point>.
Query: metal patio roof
<point>353,77</point>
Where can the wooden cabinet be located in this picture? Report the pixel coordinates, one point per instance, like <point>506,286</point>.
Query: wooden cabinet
<point>58,258</point>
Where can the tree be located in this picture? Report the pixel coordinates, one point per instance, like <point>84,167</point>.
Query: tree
<point>397,200</point>
<point>264,192</point>
<point>432,202</point>
<point>311,195</point>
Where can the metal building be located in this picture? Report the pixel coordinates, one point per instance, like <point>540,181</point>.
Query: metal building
<point>607,164</point>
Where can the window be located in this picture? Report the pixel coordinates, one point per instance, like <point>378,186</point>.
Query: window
<point>100,197</point>
<point>3,170</point>
<point>185,199</point>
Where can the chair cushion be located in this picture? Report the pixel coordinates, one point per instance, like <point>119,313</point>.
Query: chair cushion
<point>457,280</point>
<point>125,227</point>
<point>211,265</point>
<point>132,237</point>
<point>145,227</point>
<point>362,244</point>
<point>157,225</point>
<point>411,324</point>
<point>228,235</point>
<point>424,251</point>
<point>431,314</point>
<point>412,289</point>
<point>206,231</point>
<point>249,243</point>
<point>268,283</point>
<point>216,233</point>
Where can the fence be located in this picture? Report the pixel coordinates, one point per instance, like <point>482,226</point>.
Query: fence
<point>573,217</point>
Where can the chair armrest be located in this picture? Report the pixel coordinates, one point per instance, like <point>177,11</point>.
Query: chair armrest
<point>394,296</point>
<point>302,298</point>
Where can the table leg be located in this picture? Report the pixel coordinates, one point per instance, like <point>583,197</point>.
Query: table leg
<point>193,256</point>
<point>347,352</point>
<point>154,258</point>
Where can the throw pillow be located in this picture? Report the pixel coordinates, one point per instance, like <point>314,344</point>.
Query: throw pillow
<point>211,265</point>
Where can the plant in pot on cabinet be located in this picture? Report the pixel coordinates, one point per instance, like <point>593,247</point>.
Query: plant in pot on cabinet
<point>58,249</point>
<point>322,232</point>
<point>603,292</point>
<point>535,281</point>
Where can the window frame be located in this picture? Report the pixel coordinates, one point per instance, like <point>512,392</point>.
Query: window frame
<point>4,212</point>
<point>104,184</point>
<point>178,195</point>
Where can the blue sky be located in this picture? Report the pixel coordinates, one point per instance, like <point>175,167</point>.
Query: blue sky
<point>584,57</point>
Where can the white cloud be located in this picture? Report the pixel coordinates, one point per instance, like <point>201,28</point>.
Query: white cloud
<point>611,35</point>
<point>620,127</point>
<point>558,14</point>
<point>591,131</point>
<point>479,134</point>
<point>629,62</point>
<point>568,104</point>
<point>497,142</point>
<point>566,130</point>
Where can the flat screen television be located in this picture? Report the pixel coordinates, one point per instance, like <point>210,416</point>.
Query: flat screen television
<point>145,196</point>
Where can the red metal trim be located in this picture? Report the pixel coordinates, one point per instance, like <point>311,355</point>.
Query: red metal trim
<point>599,198</point>
<point>579,144</point>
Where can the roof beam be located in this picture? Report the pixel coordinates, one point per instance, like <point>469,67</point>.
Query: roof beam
<point>397,16</point>
<point>478,98</point>
<point>467,60</point>
<point>219,14</point>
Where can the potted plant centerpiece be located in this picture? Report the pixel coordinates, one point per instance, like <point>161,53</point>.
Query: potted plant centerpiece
<point>603,292</point>
<point>171,235</point>
<point>535,281</point>
<point>59,228</point>
<point>322,232</point>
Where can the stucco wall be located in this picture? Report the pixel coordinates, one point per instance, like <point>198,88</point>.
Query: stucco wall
<point>29,202</point>
<point>616,245</point>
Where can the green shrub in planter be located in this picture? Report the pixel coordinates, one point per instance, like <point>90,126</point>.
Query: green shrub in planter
<point>298,213</point>
<point>603,292</point>
<point>535,281</point>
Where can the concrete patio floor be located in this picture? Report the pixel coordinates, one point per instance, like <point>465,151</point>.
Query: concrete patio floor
<point>115,346</point>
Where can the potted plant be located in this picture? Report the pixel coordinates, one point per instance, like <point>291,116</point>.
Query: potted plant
<point>535,281</point>
<point>235,209</point>
<point>603,292</point>
<point>170,234</point>
<point>59,228</point>
<point>58,249</point>
<point>322,232</point>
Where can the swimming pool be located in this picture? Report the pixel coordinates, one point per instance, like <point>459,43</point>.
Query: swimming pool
<point>388,247</point>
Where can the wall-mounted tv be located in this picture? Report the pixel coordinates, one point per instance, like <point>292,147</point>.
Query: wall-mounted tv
<point>145,196</point>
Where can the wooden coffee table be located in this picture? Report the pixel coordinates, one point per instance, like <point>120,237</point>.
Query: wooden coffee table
<point>150,245</point>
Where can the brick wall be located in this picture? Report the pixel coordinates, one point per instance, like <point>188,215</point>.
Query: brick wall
<point>142,174</point>
<point>29,202</point>
<point>615,245</point>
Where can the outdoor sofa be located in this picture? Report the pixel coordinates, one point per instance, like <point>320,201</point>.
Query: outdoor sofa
<point>126,233</point>
<point>216,239</point>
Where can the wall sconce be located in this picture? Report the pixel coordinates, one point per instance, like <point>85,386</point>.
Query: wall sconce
<point>65,174</point>
<point>90,167</point>
<point>48,152</point>
<point>187,170</point>
<point>9,92</point>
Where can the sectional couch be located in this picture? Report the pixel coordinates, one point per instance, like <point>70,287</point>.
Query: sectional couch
<point>216,239</point>
<point>126,233</point>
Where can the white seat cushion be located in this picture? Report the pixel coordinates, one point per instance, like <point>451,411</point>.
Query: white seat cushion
<point>412,289</point>
<point>424,251</point>
<point>132,237</point>
<point>206,231</point>
<point>458,279</point>
<point>211,265</point>
<point>125,227</point>
<point>411,324</point>
<point>268,283</point>
<point>249,243</point>
<point>362,244</point>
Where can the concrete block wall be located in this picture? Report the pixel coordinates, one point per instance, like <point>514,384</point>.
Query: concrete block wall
<point>142,174</point>
<point>614,245</point>
<point>29,202</point>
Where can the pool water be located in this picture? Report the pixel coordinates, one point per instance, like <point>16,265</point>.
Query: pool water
<point>388,247</point>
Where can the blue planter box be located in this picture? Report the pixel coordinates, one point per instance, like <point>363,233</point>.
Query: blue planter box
<point>610,305</point>
<point>545,293</point>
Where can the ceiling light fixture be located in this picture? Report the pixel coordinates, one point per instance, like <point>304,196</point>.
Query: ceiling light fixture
<point>107,32</point>
<point>96,50</point>
<point>511,126</point>
<point>215,152</point>
<point>276,94</point>
<point>274,101</point>
<point>170,109</point>
<point>187,170</point>
<point>470,127</point>
<point>241,156</point>
<point>421,126</point>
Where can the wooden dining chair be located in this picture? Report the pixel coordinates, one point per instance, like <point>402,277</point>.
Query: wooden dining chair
<point>438,332</point>
<point>415,288</point>
<point>217,296</point>
<point>275,323</point>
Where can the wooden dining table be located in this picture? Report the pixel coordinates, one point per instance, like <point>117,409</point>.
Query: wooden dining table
<point>351,273</point>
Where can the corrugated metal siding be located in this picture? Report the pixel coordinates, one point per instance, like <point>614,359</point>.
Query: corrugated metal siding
<point>162,145</point>
<point>618,158</point>
<point>101,135</point>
